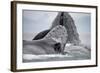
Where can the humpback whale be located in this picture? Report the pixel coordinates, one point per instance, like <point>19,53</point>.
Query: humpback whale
<point>64,19</point>
<point>54,42</point>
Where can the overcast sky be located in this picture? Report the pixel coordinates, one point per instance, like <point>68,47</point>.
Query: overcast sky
<point>36,21</point>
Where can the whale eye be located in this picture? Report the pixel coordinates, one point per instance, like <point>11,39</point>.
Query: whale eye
<point>57,47</point>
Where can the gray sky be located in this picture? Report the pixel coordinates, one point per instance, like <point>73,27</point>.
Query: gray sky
<point>82,22</point>
<point>36,21</point>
